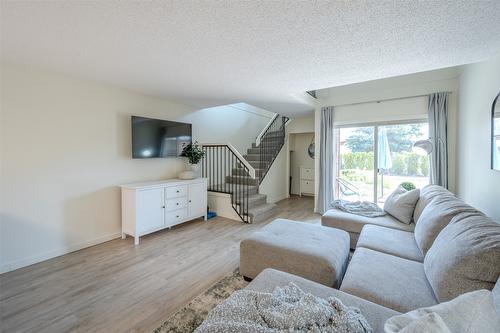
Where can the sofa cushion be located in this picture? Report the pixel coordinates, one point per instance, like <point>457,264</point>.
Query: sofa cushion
<point>353,224</point>
<point>401,204</point>
<point>428,193</point>
<point>464,257</point>
<point>312,251</point>
<point>375,314</point>
<point>391,241</point>
<point>471,312</point>
<point>435,216</point>
<point>393,282</point>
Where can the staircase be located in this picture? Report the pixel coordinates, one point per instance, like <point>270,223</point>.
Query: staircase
<point>240,175</point>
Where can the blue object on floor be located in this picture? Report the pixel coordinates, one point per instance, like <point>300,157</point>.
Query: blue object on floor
<point>211,215</point>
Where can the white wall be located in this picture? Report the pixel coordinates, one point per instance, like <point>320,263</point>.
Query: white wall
<point>390,110</point>
<point>384,111</point>
<point>274,184</point>
<point>477,184</point>
<point>65,146</point>
<point>238,124</point>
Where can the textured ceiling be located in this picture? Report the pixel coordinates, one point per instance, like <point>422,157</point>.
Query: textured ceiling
<point>208,53</point>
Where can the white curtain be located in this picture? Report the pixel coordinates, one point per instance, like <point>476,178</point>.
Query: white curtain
<point>326,160</point>
<point>438,132</point>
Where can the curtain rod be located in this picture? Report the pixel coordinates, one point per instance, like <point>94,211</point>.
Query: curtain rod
<point>387,100</point>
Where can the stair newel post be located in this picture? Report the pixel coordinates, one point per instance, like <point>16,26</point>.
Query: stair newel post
<point>219,171</point>
<point>246,209</point>
<point>231,157</point>
<point>237,191</point>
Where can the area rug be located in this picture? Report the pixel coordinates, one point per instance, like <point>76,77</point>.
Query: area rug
<point>192,315</point>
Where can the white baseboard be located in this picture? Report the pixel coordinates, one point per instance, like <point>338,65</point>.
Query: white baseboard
<point>13,265</point>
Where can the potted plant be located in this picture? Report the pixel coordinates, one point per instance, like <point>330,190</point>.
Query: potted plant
<point>408,186</point>
<point>194,154</point>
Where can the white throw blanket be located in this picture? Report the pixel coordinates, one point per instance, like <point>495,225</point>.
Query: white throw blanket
<point>363,208</point>
<point>286,309</point>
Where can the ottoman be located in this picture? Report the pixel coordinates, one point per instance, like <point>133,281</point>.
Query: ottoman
<point>311,251</point>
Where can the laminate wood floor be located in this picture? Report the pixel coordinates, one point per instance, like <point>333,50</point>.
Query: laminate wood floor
<point>119,287</point>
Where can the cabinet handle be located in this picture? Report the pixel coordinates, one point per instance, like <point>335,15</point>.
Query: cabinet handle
<point>163,207</point>
<point>189,200</point>
<point>177,216</point>
<point>177,203</point>
<point>177,191</point>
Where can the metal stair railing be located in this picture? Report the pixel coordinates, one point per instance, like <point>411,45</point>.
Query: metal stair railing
<point>218,164</point>
<point>270,142</point>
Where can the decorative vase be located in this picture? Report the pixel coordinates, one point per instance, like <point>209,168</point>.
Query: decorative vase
<point>192,173</point>
<point>194,167</point>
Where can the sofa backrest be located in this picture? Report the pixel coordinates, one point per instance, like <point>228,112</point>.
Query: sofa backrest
<point>435,216</point>
<point>428,193</point>
<point>496,296</point>
<point>464,257</point>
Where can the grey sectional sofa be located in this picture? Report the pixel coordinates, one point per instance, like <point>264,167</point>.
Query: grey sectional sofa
<point>450,249</point>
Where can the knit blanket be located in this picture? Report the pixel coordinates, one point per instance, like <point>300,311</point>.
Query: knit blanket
<point>363,208</point>
<point>286,309</point>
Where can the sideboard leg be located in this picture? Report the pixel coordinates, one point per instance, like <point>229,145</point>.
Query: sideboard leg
<point>124,235</point>
<point>136,240</point>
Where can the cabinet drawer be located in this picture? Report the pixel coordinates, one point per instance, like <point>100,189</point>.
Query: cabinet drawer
<point>176,216</point>
<point>176,191</point>
<point>306,186</point>
<point>307,173</point>
<point>176,203</point>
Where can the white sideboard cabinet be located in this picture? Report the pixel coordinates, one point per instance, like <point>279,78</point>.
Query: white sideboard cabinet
<point>151,206</point>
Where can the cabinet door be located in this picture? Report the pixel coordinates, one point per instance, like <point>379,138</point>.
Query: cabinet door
<point>307,173</point>
<point>150,209</point>
<point>306,186</point>
<point>197,199</point>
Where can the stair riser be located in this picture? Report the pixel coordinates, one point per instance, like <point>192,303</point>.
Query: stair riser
<point>242,180</point>
<point>244,192</point>
<point>270,142</point>
<point>239,172</point>
<point>258,202</point>
<point>242,172</point>
<point>256,157</point>
<point>253,151</point>
<point>255,164</point>
<point>263,215</point>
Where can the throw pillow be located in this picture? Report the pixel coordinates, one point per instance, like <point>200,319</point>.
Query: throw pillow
<point>401,204</point>
<point>464,257</point>
<point>435,216</point>
<point>468,313</point>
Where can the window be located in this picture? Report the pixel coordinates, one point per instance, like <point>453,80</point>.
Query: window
<point>372,161</point>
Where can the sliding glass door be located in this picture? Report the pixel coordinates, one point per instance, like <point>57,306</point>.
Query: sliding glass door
<point>372,161</point>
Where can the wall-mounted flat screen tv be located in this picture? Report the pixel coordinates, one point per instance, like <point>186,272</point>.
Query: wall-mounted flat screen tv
<point>158,138</point>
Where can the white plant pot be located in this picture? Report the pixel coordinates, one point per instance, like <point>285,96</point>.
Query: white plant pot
<point>192,173</point>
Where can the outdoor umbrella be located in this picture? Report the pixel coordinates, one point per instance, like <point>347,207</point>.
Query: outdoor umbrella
<point>384,159</point>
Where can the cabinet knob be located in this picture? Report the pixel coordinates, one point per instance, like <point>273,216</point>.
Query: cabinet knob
<point>189,200</point>
<point>163,207</point>
<point>177,191</point>
<point>177,203</point>
<point>177,216</point>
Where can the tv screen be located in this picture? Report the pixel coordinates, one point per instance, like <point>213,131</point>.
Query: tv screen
<point>158,138</point>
